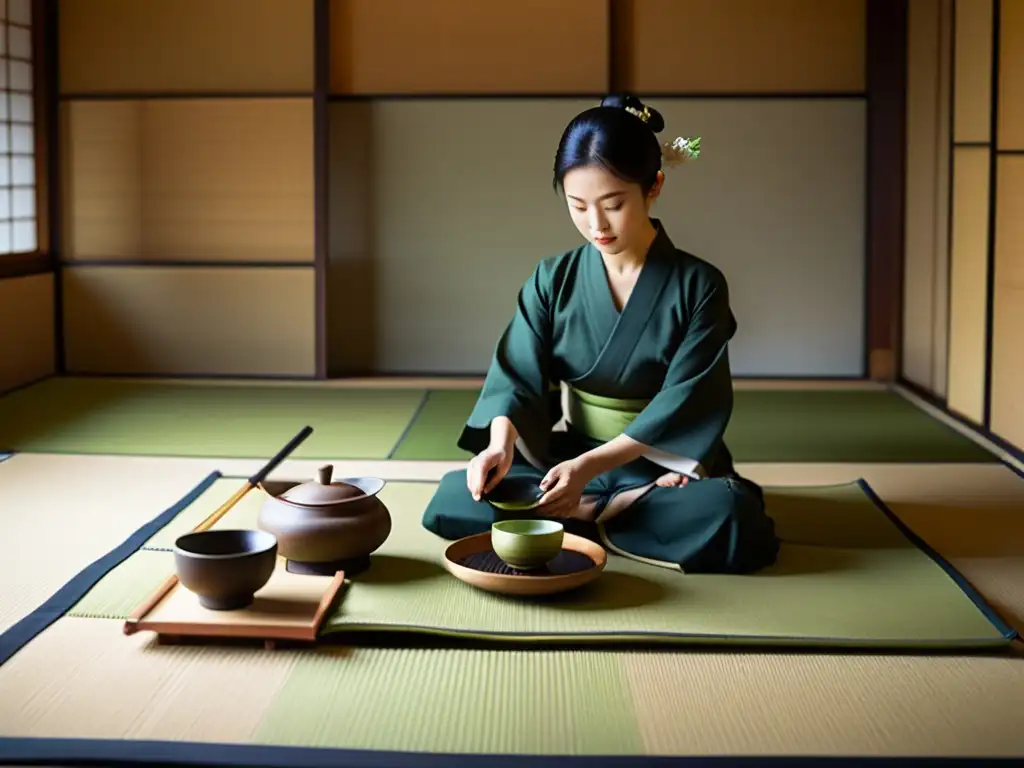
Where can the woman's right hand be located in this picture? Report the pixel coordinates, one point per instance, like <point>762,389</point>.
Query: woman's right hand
<point>487,469</point>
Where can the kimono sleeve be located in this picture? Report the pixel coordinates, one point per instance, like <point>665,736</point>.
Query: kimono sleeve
<point>689,415</point>
<point>517,382</point>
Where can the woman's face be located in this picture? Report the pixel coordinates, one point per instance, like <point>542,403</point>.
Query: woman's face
<point>610,213</point>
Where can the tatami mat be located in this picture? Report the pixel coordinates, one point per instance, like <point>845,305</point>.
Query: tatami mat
<point>83,677</point>
<point>808,425</point>
<point>139,417</point>
<point>554,702</point>
<point>60,513</point>
<point>243,420</point>
<point>805,705</point>
<point>839,548</point>
<point>973,516</point>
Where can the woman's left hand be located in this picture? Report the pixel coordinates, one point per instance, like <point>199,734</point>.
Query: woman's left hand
<point>563,489</point>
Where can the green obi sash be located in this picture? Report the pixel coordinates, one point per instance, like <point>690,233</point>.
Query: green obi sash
<point>601,418</point>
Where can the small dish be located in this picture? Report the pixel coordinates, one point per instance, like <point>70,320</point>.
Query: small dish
<point>473,561</point>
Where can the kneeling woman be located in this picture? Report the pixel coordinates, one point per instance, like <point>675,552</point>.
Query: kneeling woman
<point>611,385</point>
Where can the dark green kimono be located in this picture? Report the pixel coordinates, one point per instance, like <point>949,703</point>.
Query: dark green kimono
<point>572,372</point>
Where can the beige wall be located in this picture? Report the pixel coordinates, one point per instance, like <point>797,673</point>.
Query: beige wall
<point>1008,264</point>
<point>447,260</point>
<point>189,179</point>
<point>444,261</point>
<point>189,320</point>
<point>186,46</point>
<point>744,46</point>
<point>468,46</point>
<point>983,208</point>
<point>926,226</point>
<point>188,187</point>
<point>225,181</point>
<point>207,160</point>
<point>26,330</point>
<point>971,206</point>
<point>1008,303</point>
<point>968,281</point>
<point>692,46</point>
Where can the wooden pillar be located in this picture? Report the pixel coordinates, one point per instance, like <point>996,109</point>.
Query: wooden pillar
<point>886,85</point>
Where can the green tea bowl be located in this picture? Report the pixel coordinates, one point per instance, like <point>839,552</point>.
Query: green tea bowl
<point>527,544</point>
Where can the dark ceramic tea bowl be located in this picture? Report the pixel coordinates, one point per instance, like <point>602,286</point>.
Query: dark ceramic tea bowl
<point>515,494</point>
<point>225,568</point>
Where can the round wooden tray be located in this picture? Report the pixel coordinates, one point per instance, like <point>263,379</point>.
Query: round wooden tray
<point>473,561</point>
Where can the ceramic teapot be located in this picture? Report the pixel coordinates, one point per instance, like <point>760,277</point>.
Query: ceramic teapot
<point>326,525</point>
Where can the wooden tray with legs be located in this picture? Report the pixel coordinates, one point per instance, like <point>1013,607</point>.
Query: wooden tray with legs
<point>290,607</point>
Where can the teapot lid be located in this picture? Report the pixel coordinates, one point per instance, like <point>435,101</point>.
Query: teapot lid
<point>323,491</point>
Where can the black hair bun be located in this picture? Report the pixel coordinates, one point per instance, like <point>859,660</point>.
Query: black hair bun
<point>622,100</point>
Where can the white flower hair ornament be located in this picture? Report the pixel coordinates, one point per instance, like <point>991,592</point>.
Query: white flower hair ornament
<point>680,150</point>
<point>676,152</point>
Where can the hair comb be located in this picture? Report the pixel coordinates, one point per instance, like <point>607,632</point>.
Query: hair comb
<point>644,115</point>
